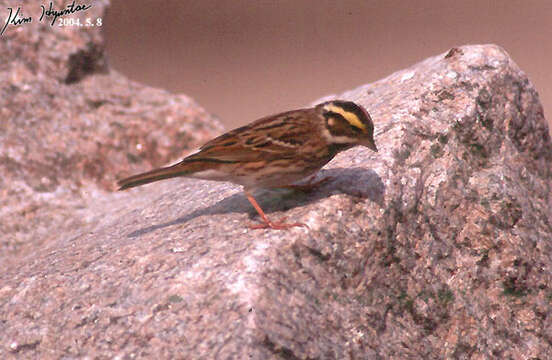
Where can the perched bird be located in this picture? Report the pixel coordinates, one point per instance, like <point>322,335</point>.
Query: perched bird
<point>274,152</point>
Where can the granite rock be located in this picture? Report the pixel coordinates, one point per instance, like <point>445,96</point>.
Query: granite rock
<point>438,246</point>
<point>71,125</point>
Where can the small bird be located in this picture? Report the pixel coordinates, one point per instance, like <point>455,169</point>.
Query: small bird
<point>274,152</point>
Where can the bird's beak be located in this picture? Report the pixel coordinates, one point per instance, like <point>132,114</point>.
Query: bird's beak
<point>369,143</point>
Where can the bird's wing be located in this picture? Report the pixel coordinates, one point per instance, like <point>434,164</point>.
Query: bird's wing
<point>277,136</point>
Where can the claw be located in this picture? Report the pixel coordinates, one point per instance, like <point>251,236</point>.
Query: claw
<point>267,224</point>
<point>280,225</point>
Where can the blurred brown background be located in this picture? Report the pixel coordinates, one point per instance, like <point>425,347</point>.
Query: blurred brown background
<point>245,59</point>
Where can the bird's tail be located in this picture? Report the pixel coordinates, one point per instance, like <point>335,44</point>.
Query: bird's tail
<point>153,175</point>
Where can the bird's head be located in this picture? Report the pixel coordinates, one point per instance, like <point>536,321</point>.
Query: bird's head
<point>347,123</point>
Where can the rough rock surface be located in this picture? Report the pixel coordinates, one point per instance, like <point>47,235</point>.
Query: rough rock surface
<point>439,246</point>
<point>70,125</point>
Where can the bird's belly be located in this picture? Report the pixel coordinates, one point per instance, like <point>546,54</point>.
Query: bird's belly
<point>267,180</point>
<point>257,175</point>
<point>282,178</point>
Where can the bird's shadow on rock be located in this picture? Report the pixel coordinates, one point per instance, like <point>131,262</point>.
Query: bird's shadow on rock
<point>357,182</point>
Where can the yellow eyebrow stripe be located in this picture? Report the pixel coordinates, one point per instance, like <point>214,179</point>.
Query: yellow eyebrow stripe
<point>349,116</point>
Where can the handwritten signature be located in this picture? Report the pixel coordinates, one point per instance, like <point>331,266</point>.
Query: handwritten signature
<point>18,19</point>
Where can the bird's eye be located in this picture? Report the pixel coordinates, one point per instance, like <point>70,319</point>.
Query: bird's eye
<point>356,129</point>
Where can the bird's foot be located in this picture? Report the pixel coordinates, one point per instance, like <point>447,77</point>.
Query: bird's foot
<point>280,225</point>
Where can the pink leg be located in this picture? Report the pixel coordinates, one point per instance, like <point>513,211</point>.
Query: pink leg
<point>267,223</point>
